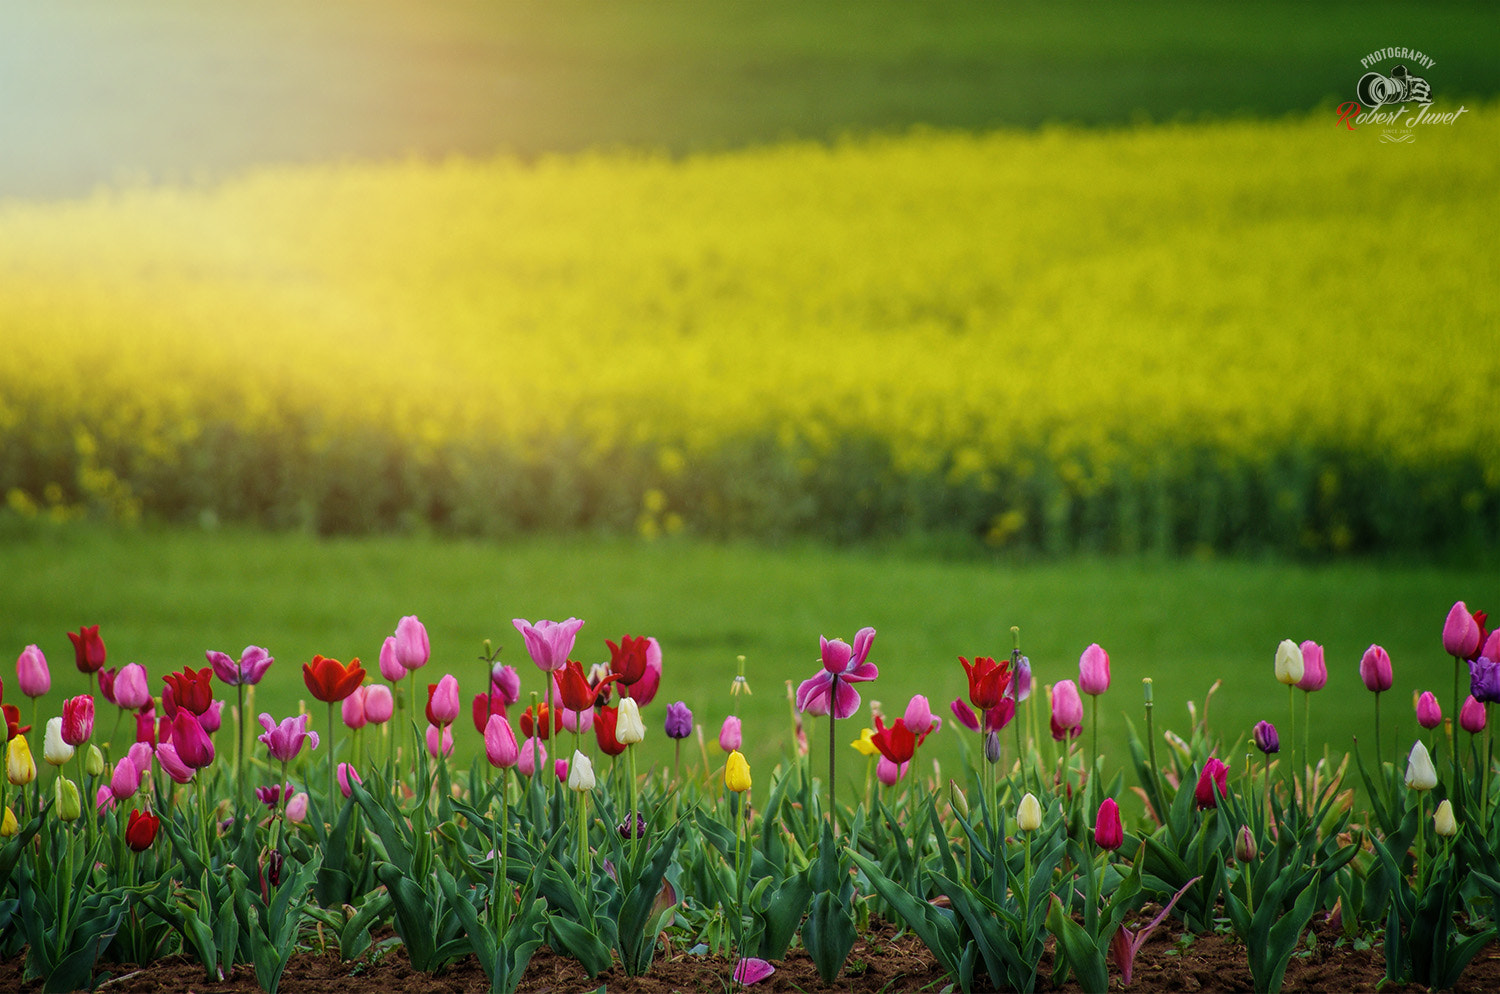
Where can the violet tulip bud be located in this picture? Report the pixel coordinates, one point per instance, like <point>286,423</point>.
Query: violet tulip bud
<point>1471,715</point>
<point>346,773</point>
<point>679,723</point>
<point>1461,633</point>
<point>1314,669</point>
<point>730,737</point>
<point>1289,665</point>
<point>1093,670</point>
<point>32,675</point>
<point>54,750</point>
<point>639,827</point>
<point>560,770</point>
<point>1213,782</point>
<point>1484,680</point>
<point>1420,774</point>
<point>1266,739</point>
<point>390,667</point>
<point>1020,680</point>
<point>78,719</point>
<point>1429,712</point>
<point>1067,711</point>
<point>500,743</point>
<point>1109,832</point>
<point>379,704</point>
<point>412,647</point>
<point>353,708</point>
<point>505,681</point>
<point>1375,669</point>
<point>992,747</point>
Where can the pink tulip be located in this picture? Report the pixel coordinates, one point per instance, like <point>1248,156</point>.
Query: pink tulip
<point>248,670</point>
<point>442,701</point>
<point>125,780</point>
<point>1067,711</point>
<point>172,764</point>
<point>500,743</point>
<point>345,774</point>
<point>78,719</point>
<point>296,808</point>
<point>212,717</point>
<point>104,800</point>
<point>353,708</point>
<point>141,754</point>
<point>390,665</point>
<point>752,971</point>
<point>888,772</point>
<point>505,681</point>
<point>131,687</point>
<point>1314,669</point>
<point>730,735</point>
<point>412,648</point>
<point>560,767</point>
<point>32,675</point>
<point>439,739</point>
<point>1471,716</point>
<point>1375,669</point>
<point>919,717</point>
<point>1093,671</point>
<point>191,742</point>
<point>532,755</point>
<point>549,642</point>
<point>1461,632</point>
<point>577,721</point>
<point>832,690</point>
<point>284,741</point>
<point>379,704</point>
<point>1429,712</point>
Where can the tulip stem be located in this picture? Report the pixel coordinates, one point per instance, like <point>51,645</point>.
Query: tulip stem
<point>1291,703</point>
<point>1454,716</point>
<point>832,763</point>
<point>1489,763</point>
<point>1421,842</point>
<point>583,846</point>
<point>1306,712</point>
<point>239,754</point>
<point>1088,795</point>
<point>635,834</point>
<point>331,818</point>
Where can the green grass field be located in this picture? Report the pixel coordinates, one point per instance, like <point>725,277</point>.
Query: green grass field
<point>163,597</point>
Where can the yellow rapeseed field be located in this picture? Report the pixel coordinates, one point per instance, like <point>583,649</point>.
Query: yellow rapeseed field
<point>1053,338</point>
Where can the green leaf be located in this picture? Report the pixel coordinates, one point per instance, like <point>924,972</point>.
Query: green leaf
<point>1079,948</point>
<point>828,933</point>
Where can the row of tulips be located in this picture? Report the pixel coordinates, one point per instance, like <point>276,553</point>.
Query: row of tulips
<point>240,862</point>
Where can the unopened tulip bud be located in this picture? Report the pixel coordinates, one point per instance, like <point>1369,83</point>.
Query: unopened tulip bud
<point>1375,669</point>
<point>580,773</point>
<point>992,747</point>
<point>1289,666</point>
<point>1266,739</point>
<point>1443,821</point>
<point>20,768</point>
<point>1244,846</point>
<point>957,799</point>
<point>737,773</point>
<point>54,750</point>
<point>1429,712</point>
<point>1109,832</point>
<point>1093,670</point>
<point>8,824</point>
<point>1029,813</point>
<point>628,727</point>
<point>65,799</point>
<point>1420,774</point>
<point>1471,716</point>
<point>1461,632</point>
<point>1314,669</point>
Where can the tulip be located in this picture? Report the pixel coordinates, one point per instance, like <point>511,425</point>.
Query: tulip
<point>284,741</point>
<point>640,827</point>
<point>1266,739</point>
<point>533,756</point>
<point>890,773</point>
<point>896,743</point>
<point>542,728</point>
<point>580,773</point>
<point>577,721</point>
<point>252,665</point>
<point>574,689</point>
<point>1461,632</point>
<point>549,642</point>
<point>1314,669</point>
<point>643,691</point>
<point>9,827</point>
<point>172,764</point>
<point>865,744</point>
<point>1429,712</point>
<point>353,708</point>
<point>1289,665</point>
<point>505,681</point>
<point>560,770</point>
<point>627,661</point>
<point>1067,711</point>
<point>1245,849</point>
<point>992,751</point>
<point>141,755</point>
<point>296,808</point>
<point>752,971</point>
<point>88,649</point>
<point>730,735</point>
<point>13,726</point>
<point>442,701</point>
<point>271,795</point>
<point>964,714</point>
<point>628,727</point>
<point>93,761</point>
<point>104,800</point>
<point>1471,716</point>
<point>439,738</point>
<point>145,727</point>
<point>331,681</point>
<point>679,723</point>
<point>1420,774</point>
<point>1029,813</point>
<point>1213,782</point>
<point>737,773</point>
<point>1093,670</point>
<point>1443,821</point>
<point>131,689</point>
<point>1109,832</point>
<point>212,717</point>
<point>190,689</point>
<point>606,722</point>
<point>412,647</point>
<point>65,800</point>
<point>1491,647</point>
<point>919,717</point>
<point>390,666</point>
<point>125,780</point>
<point>347,773</point>
<point>54,750</point>
<point>831,691</point>
<point>379,704</point>
<point>1484,680</point>
<point>500,743</point>
<point>484,706</point>
<point>1020,686</point>
<point>32,675</point>
<point>20,768</point>
<point>191,742</point>
<point>1375,669</point>
<point>140,832</point>
<point>988,680</point>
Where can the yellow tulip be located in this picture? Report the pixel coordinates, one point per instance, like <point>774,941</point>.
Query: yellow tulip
<point>8,824</point>
<point>865,744</point>
<point>20,768</point>
<point>737,773</point>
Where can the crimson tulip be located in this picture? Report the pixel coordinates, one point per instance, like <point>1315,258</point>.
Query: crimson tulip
<point>1213,782</point>
<point>1109,832</point>
<point>331,681</point>
<point>88,649</point>
<point>605,722</point>
<point>988,680</point>
<point>140,831</point>
<point>189,689</point>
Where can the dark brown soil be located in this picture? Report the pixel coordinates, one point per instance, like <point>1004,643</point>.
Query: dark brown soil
<point>885,959</point>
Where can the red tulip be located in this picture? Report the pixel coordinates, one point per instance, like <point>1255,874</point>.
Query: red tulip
<point>988,681</point>
<point>1109,833</point>
<point>140,832</point>
<point>13,726</point>
<point>88,649</point>
<point>605,720</point>
<point>896,743</point>
<point>190,689</point>
<point>628,659</point>
<point>78,719</point>
<point>486,706</point>
<point>576,692</point>
<point>331,681</point>
<point>539,725</point>
<point>1213,782</point>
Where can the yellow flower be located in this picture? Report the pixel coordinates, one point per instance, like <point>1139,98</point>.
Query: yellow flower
<point>1289,666</point>
<point>1443,821</point>
<point>737,773</point>
<point>865,744</point>
<point>20,768</point>
<point>8,825</point>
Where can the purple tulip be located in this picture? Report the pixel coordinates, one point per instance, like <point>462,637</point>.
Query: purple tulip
<point>752,971</point>
<point>1093,670</point>
<point>1266,739</point>
<point>640,827</point>
<point>1429,712</point>
<point>505,681</point>
<point>1020,680</point>
<point>1484,680</point>
<point>679,723</point>
<point>390,667</point>
<point>412,647</point>
<point>843,665</point>
<point>284,741</point>
<point>1375,669</point>
<point>730,736</point>
<point>131,688</point>
<point>1461,633</point>
<point>271,796</point>
<point>32,675</point>
<point>549,642</point>
<point>1314,669</point>
<point>1067,711</point>
<point>500,743</point>
<point>252,665</point>
<point>965,714</point>
<point>1471,716</point>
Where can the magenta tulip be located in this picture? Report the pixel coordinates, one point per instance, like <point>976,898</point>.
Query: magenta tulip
<point>172,764</point>
<point>1375,669</point>
<point>412,647</point>
<point>1461,632</point>
<point>192,743</point>
<point>1314,668</point>
<point>500,745</point>
<point>78,719</point>
<point>751,970</point>
<point>1212,783</point>
<point>1429,712</point>
<point>284,741</point>
<point>1471,716</point>
<point>125,780</point>
<point>352,710</point>
<point>248,670</point>
<point>533,755</point>
<point>443,705</point>
<point>1093,670</point>
<point>888,772</point>
<point>439,739</point>
<point>1109,831</point>
<point>549,642</point>
<point>131,687</point>
<point>505,681</point>
<point>1067,711</point>
<point>347,773</point>
<point>919,717</point>
<point>843,666</point>
<point>32,675</point>
<point>296,808</point>
<point>730,735</point>
<point>390,665</point>
<point>212,716</point>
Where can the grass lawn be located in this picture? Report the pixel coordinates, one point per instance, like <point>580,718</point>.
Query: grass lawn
<point>163,597</point>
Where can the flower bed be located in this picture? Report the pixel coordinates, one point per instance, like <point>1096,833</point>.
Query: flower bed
<point>318,856</point>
